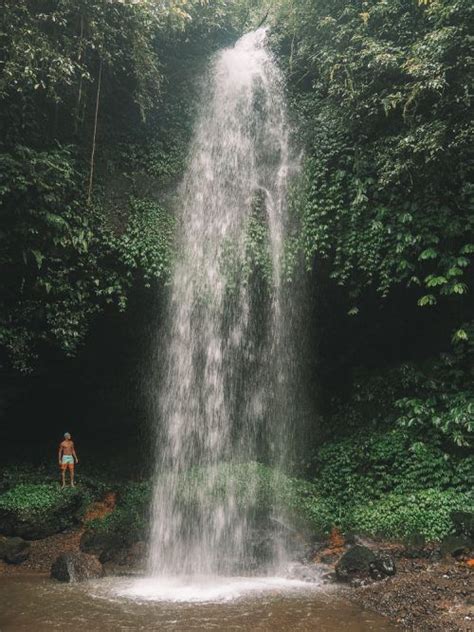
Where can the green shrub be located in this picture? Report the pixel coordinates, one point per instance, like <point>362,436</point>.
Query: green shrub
<point>37,510</point>
<point>130,516</point>
<point>368,467</point>
<point>386,484</point>
<point>255,487</point>
<point>397,515</point>
<point>389,484</point>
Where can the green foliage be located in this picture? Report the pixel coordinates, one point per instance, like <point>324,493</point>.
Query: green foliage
<point>147,243</point>
<point>441,395</point>
<point>29,498</point>
<point>42,508</point>
<point>450,413</point>
<point>64,262</point>
<point>250,484</point>
<point>257,251</point>
<point>396,461</point>
<point>383,92</point>
<point>435,396</point>
<point>398,515</point>
<point>389,484</point>
<point>50,254</point>
<point>62,259</point>
<point>130,516</point>
<point>249,263</point>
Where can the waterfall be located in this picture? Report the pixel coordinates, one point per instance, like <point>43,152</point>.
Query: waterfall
<point>221,398</point>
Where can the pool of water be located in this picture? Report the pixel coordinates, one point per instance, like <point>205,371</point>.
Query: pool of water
<point>38,604</point>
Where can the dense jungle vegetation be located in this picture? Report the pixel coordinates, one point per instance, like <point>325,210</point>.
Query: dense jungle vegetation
<point>96,110</point>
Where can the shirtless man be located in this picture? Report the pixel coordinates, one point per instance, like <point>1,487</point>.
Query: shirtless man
<point>67,456</point>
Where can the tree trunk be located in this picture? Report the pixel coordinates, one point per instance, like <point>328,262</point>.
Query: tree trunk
<point>94,135</point>
<point>79,59</point>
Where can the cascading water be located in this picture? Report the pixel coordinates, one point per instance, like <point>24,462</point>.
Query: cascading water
<point>222,394</point>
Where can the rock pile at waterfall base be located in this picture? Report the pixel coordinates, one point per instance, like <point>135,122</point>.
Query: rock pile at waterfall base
<point>424,596</point>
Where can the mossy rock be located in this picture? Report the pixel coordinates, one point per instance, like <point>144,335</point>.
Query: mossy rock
<point>36,511</point>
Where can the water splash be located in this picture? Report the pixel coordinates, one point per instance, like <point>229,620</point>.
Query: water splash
<point>223,392</point>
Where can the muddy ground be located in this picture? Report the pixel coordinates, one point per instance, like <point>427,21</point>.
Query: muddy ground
<point>424,596</point>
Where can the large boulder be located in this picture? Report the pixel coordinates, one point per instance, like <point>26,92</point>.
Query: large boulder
<point>383,566</point>
<point>456,545</point>
<point>463,522</point>
<point>108,546</point>
<point>360,562</point>
<point>14,550</point>
<point>355,563</point>
<point>76,567</point>
<point>133,556</point>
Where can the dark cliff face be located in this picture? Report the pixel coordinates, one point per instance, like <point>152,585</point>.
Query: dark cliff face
<point>99,396</point>
<point>102,395</point>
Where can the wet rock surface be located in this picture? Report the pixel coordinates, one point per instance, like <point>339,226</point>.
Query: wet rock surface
<point>14,550</point>
<point>76,567</point>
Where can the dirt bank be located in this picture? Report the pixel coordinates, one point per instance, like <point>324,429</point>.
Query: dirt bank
<point>44,552</point>
<point>424,596</point>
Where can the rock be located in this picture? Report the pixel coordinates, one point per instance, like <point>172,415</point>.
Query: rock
<point>383,566</point>
<point>415,545</point>
<point>304,572</point>
<point>355,562</point>
<point>104,545</point>
<point>360,563</point>
<point>262,548</point>
<point>114,548</point>
<point>137,553</point>
<point>117,570</point>
<point>76,567</point>
<point>132,556</point>
<point>14,550</point>
<point>328,558</point>
<point>463,522</point>
<point>456,545</point>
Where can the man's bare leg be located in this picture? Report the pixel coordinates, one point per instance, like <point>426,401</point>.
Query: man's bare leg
<point>63,477</point>
<point>71,474</point>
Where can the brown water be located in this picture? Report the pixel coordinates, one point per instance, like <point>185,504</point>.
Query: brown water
<point>37,604</point>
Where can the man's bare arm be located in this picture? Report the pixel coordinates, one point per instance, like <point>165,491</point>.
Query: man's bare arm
<point>74,453</point>
<point>60,453</point>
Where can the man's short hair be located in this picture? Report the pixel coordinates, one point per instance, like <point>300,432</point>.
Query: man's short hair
<point>67,435</point>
